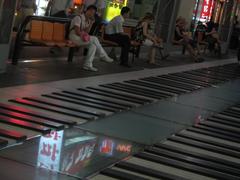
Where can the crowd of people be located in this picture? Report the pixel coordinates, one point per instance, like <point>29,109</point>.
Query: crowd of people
<point>87,18</point>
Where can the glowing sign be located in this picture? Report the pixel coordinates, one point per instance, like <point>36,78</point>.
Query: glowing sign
<point>107,147</point>
<point>114,8</point>
<point>124,148</point>
<point>207,7</point>
<point>50,150</point>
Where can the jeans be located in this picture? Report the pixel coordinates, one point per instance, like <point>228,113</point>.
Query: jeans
<point>93,46</point>
<point>124,41</point>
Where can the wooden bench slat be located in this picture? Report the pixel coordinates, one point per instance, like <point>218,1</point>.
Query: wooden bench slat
<point>13,135</point>
<point>24,124</point>
<point>36,30</point>
<point>26,111</point>
<point>28,118</point>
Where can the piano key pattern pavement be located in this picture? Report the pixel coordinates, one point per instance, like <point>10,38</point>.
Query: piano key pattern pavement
<point>30,117</point>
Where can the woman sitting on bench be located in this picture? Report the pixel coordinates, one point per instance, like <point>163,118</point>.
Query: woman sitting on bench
<point>144,35</point>
<point>79,29</point>
<point>182,38</point>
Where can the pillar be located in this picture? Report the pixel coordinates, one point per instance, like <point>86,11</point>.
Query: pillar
<point>7,11</point>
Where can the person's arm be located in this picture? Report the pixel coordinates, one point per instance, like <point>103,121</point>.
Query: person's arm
<point>77,25</point>
<point>178,32</point>
<point>118,27</point>
<point>146,34</point>
<point>89,25</point>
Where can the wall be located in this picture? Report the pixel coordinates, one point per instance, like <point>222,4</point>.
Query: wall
<point>186,9</point>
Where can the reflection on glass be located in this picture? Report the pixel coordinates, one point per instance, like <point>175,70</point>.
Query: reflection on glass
<point>80,153</point>
<point>50,150</point>
<point>77,154</point>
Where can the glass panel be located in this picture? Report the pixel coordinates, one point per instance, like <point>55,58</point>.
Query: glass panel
<point>72,151</point>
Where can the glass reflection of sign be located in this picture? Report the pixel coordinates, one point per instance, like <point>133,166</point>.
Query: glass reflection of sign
<point>207,7</point>
<point>50,150</point>
<point>78,157</point>
<point>109,147</point>
<point>125,148</point>
<point>106,147</point>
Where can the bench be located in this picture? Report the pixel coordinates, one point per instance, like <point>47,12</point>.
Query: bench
<point>43,31</point>
<point>135,46</point>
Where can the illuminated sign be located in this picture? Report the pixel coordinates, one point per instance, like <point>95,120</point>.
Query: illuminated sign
<point>207,7</point>
<point>107,147</point>
<point>114,8</point>
<point>50,150</point>
<point>125,148</point>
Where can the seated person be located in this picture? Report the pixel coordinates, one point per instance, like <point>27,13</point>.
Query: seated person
<point>200,36</point>
<point>213,39</point>
<point>79,26</point>
<point>114,32</point>
<point>182,37</point>
<point>144,35</point>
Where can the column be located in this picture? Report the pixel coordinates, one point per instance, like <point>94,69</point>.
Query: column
<point>7,11</point>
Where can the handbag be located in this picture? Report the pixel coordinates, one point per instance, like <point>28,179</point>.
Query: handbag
<point>85,36</point>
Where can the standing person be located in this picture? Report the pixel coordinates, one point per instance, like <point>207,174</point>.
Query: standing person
<point>24,8</point>
<point>80,24</point>
<point>144,35</point>
<point>59,8</point>
<point>114,32</point>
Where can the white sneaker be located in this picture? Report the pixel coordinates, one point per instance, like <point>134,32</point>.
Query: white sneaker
<point>106,59</point>
<point>88,68</point>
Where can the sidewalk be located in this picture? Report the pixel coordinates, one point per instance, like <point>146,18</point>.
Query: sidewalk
<point>35,67</point>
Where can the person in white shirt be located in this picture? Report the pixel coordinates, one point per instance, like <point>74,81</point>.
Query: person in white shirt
<point>59,8</point>
<point>83,22</point>
<point>114,32</point>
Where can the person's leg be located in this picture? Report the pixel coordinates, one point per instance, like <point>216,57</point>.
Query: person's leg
<point>152,51</point>
<point>124,42</point>
<point>102,53</point>
<point>88,64</point>
<point>91,53</point>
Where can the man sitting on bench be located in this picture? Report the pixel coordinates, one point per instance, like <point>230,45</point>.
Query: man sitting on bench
<point>79,29</point>
<point>114,32</point>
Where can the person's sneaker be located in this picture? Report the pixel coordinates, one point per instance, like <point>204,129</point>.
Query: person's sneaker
<point>88,68</point>
<point>106,59</point>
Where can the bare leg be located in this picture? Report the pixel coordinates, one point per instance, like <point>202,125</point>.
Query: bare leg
<point>152,55</point>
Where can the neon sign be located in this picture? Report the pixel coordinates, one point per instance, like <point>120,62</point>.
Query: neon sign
<point>207,8</point>
<point>106,147</point>
<point>124,148</point>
